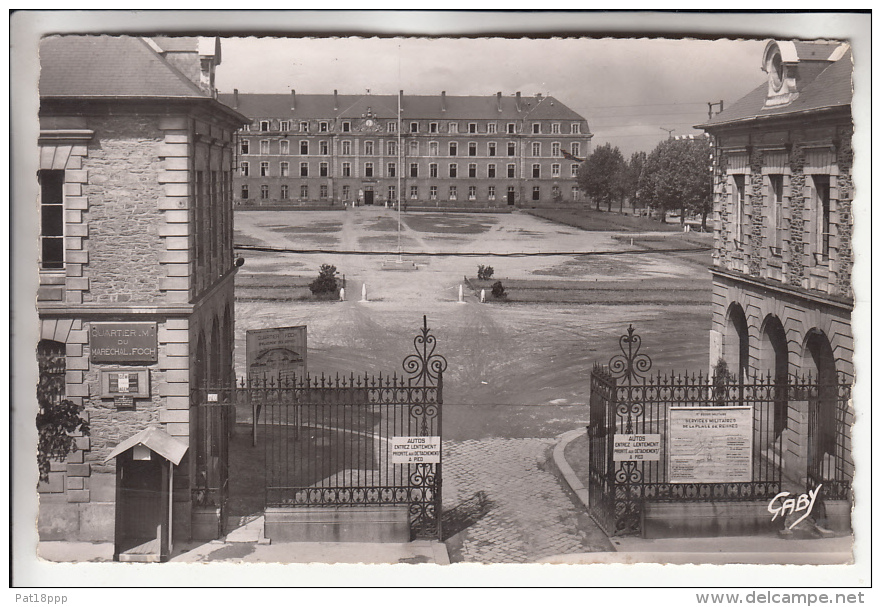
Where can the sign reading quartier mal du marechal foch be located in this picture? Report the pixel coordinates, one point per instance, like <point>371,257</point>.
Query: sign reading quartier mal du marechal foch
<point>123,342</point>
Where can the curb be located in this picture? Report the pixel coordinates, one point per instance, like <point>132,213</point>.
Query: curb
<point>565,469</point>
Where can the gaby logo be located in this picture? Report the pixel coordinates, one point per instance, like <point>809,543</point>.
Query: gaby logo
<point>783,505</point>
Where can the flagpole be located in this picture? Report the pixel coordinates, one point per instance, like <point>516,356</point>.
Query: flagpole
<point>400,160</point>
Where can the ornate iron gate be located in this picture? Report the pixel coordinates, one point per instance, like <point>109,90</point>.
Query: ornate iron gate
<point>327,440</point>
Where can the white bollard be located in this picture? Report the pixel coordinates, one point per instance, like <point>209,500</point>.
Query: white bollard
<point>364,292</point>
<point>342,294</point>
<point>461,294</point>
<point>483,296</point>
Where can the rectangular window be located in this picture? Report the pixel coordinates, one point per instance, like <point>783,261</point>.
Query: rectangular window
<point>284,146</point>
<point>576,149</point>
<point>51,219</point>
<point>432,127</point>
<point>510,171</point>
<point>346,193</point>
<point>472,170</point>
<point>432,170</point>
<point>414,169</point>
<point>576,128</point>
<point>323,148</point>
<point>472,192</point>
<point>347,148</point>
<point>304,127</point>
<point>555,170</point>
<point>368,148</point>
<point>536,149</point>
<point>244,146</point>
<point>491,171</point>
<point>304,169</point>
<point>454,169</point>
<point>432,192</point>
<point>322,169</point>
<point>536,193</point>
<point>453,127</point>
<point>392,127</point>
<point>285,125</point>
<point>304,148</point>
<point>414,127</point>
<point>512,148</point>
<point>739,195</point>
<point>347,127</point>
<point>576,193</point>
<point>392,193</point>
<point>491,192</point>
<point>264,169</point>
<point>264,146</point>
<point>285,193</point>
<point>432,148</point>
<point>414,147</point>
<point>823,214</point>
<point>491,128</point>
<point>454,147</point>
<point>775,213</point>
<point>536,171</point>
<point>555,149</point>
<point>472,127</point>
<point>322,127</point>
<point>245,169</point>
<point>391,148</point>
<point>536,128</point>
<point>347,169</point>
<point>414,192</point>
<point>574,170</point>
<point>510,128</point>
<point>322,191</point>
<point>391,169</point>
<point>368,169</point>
<point>555,128</point>
<point>304,192</point>
<point>453,192</point>
<point>472,148</point>
<point>244,192</point>
<point>264,192</point>
<point>285,169</point>
<point>264,125</point>
<point>491,148</point>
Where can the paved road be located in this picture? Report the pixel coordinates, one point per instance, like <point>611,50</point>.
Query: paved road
<point>504,504</point>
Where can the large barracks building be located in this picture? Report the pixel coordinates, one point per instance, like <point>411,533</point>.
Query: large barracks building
<point>440,150</point>
<point>136,272</point>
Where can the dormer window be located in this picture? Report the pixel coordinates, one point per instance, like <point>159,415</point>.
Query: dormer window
<point>780,63</point>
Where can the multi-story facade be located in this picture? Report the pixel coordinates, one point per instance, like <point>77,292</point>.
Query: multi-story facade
<point>136,271</point>
<point>783,254</point>
<point>430,151</point>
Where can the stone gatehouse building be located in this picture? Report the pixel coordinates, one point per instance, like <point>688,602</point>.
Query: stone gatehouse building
<point>136,271</point>
<point>445,151</point>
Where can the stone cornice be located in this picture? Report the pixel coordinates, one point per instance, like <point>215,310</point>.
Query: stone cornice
<point>843,303</point>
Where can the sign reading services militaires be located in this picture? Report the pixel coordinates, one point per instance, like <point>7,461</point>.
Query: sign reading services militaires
<point>276,353</point>
<point>637,447</point>
<point>123,342</point>
<point>416,449</point>
<point>710,444</point>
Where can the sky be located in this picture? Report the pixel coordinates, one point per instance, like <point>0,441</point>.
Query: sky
<point>633,92</point>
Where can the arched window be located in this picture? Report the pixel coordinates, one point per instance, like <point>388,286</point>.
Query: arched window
<point>735,347</point>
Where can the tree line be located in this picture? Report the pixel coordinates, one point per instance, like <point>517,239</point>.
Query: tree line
<point>675,176</point>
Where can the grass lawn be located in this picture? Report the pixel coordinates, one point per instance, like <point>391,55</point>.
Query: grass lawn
<point>589,219</point>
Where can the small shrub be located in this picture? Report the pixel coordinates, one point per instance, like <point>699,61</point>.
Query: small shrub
<point>326,283</point>
<point>498,290</point>
<point>484,272</point>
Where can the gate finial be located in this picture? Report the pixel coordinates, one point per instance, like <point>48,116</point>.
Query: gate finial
<point>425,367</point>
<point>630,365</point>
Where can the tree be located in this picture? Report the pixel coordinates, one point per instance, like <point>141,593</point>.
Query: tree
<point>326,283</point>
<point>677,176</point>
<point>632,173</point>
<point>601,175</point>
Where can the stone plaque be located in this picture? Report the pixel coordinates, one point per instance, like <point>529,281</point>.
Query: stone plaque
<point>123,342</point>
<point>710,444</point>
<point>276,353</point>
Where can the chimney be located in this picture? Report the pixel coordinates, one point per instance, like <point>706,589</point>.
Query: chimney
<point>443,101</point>
<point>336,101</point>
<point>499,100</point>
<point>235,96</point>
<point>401,99</point>
<point>518,101</point>
<point>538,97</point>
<point>293,99</point>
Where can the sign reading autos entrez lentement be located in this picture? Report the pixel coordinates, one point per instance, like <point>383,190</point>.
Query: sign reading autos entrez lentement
<point>710,444</point>
<point>637,448</point>
<point>123,342</point>
<point>416,449</point>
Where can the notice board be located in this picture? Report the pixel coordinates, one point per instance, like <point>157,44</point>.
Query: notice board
<point>276,353</point>
<point>710,444</point>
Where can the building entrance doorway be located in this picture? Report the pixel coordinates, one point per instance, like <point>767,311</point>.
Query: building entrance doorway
<point>368,195</point>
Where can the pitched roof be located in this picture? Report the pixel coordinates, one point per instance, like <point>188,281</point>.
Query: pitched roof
<point>108,66</point>
<point>261,105</point>
<point>832,88</point>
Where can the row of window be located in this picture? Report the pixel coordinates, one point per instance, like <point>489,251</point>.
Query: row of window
<point>776,188</point>
<point>452,192</point>
<point>284,170</point>
<point>391,148</point>
<point>391,126</point>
